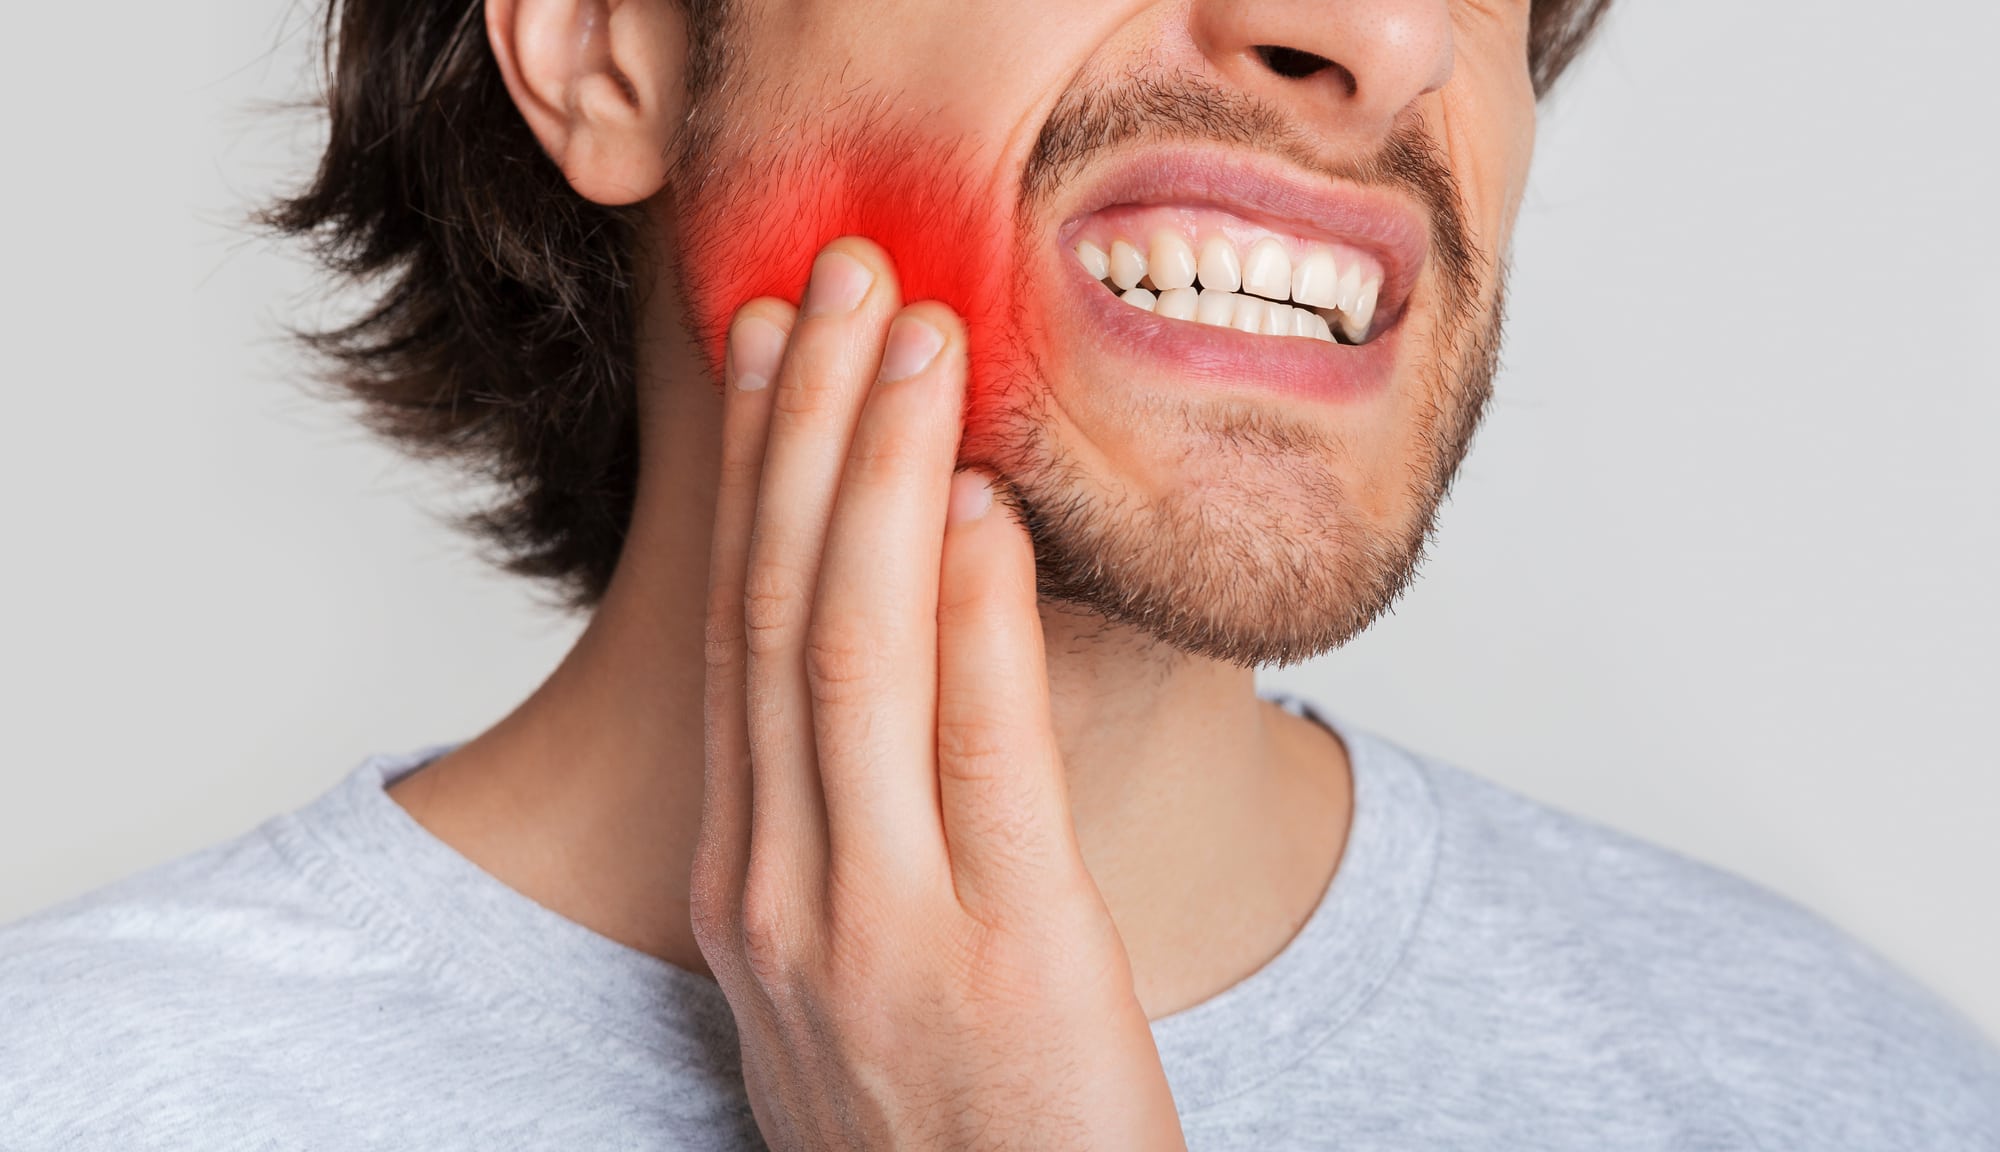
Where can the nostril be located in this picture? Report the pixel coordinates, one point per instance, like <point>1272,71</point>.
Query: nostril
<point>1292,63</point>
<point>1299,64</point>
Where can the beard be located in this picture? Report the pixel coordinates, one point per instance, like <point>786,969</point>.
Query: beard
<point>1258,558</point>
<point>1257,554</point>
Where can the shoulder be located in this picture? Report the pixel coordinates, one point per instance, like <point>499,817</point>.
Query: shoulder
<point>124,1007</point>
<point>314,985</point>
<point>199,911</point>
<point>193,942</point>
<point>210,912</point>
<point>1802,1030</point>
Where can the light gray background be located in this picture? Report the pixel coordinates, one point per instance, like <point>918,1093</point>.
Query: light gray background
<point>1722,570</point>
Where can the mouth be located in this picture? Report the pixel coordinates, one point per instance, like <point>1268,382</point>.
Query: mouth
<point>1244,273</point>
<point>1216,268</point>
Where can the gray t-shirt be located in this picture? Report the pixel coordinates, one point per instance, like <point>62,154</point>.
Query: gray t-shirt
<point>1483,973</point>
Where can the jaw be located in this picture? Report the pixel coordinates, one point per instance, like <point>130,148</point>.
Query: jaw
<point>1249,492</point>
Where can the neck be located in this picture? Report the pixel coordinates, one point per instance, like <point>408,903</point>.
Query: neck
<point>1211,821</point>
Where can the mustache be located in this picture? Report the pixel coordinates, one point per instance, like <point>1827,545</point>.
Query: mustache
<point>1178,107</point>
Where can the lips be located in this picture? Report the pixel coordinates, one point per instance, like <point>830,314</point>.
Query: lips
<point>1243,273</point>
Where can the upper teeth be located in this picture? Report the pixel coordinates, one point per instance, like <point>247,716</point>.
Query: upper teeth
<point>1128,267</point>
<point>1170,262</point>
<point>1333,293</point>
<point>1219,268</point>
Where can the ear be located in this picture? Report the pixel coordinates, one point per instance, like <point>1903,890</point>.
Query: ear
<point>601,83</point>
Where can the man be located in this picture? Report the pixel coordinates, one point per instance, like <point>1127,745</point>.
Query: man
<point>941,409</point>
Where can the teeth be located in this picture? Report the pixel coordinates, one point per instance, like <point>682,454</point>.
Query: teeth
<point>1094,260</point>
<point>1349,290</point>
<point>1230,310</point>
<point>1219,268</point>
<point>1249,315</point>
<point>1127,266</point>
<point>1170,262</point>
<point>1268,271</point>
<point>1178,303</point>
<point>1315,280</point>
<point>1216,307</point>
<point>1278,320</point>
<point>1354,322</point>
<point>1333,303</point>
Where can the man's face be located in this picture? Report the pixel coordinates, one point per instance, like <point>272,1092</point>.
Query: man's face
<point>1242,458</point>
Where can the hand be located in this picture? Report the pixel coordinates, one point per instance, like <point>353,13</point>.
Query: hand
<point>888,886</point>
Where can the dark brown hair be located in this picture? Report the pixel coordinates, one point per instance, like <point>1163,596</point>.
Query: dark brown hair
<point>500,332</point>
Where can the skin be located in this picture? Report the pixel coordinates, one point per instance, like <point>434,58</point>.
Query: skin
<point>946,847</point>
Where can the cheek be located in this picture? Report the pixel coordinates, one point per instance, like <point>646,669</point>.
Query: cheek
<point>754,230</point>
<point>1490,123</point>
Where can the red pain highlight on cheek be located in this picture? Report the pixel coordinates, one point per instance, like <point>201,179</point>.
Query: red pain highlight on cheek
<point>758,226</point>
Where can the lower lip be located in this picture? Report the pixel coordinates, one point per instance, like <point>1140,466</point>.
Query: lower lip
<point>1226,360</point>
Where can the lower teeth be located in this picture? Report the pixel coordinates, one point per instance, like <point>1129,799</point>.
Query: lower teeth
<point>1241,311</point>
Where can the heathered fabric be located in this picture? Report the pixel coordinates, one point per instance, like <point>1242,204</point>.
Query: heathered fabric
<point>1483,973</point>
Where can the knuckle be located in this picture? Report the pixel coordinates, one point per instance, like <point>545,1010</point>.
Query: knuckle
<point>773,609</point>
<point>741,469</point>
<point>887,454</point>
<point>842,664</point>
<point>722,645</point>
<point>771,927</point>
<point>713,893</point>
<point>809,388</point>
<point>713,916</point>
<point>970,748</point>
<point>979,598</point>
<point>765,936</point>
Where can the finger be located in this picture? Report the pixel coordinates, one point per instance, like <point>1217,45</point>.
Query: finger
<point>1001,789</point>
<point>756,349</point>
<point>871,651</point>
<point>830,361</point>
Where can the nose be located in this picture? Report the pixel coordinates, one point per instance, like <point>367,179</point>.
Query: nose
<point>1351,66</point>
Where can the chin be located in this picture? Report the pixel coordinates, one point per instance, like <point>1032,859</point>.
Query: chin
<point>1219,530</point>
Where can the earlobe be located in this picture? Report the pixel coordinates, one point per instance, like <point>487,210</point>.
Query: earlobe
<point>601,83</point>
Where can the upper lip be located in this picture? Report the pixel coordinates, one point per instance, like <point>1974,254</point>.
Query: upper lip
<point>1273,195</point>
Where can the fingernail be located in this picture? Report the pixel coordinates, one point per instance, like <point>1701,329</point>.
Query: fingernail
<point>838,283</point>
<point>755,347</point>
<point>971,496</point>
<point>912,346</point>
